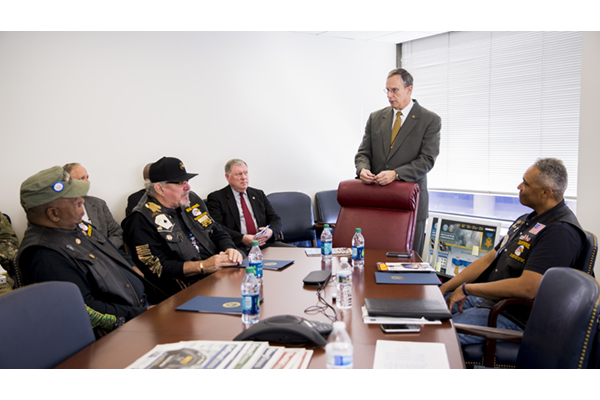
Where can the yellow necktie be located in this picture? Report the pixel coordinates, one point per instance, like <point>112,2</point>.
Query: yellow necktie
<point>396,128</point>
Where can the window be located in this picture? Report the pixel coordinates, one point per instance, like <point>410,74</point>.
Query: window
<point>505,99</point>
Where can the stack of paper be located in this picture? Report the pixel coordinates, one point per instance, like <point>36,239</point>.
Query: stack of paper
<point>203,354</point>
<point>336,251</point>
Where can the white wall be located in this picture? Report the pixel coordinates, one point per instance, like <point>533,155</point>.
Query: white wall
<point>293,106</point>
<point>588,189</point>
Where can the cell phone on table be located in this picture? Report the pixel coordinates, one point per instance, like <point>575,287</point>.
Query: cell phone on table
<point>400,328</point>
<point>399,254</point>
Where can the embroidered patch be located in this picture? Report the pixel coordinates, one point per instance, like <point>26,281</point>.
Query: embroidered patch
<point>536,229</point>
<point>153,207</point>
<point>58,187</point>
<point>519,250</point>
<point>163,222</point>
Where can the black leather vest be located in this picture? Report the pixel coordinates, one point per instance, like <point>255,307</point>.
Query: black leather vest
<point>89,252</point>
<point>522,236</point>
<point>168,225</point>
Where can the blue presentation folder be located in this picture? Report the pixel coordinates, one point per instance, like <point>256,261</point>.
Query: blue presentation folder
<point>217,305</point>
<point>407,278</point>
<point>274,265</point>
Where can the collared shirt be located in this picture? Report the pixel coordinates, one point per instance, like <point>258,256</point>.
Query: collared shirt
<point>405,112</point>
<point>238,202</point>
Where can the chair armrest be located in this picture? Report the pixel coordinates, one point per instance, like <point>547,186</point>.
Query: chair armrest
<point>501,305</point>
<point>506,335</point>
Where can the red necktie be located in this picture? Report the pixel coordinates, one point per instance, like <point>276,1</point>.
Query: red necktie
<point>250,227</point>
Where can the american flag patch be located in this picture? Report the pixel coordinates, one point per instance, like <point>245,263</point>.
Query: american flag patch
<point>537,228</point>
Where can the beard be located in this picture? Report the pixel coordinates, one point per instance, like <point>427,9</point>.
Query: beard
<point>185,200</point>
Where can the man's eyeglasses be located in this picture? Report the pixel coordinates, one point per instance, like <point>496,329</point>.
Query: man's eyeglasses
<point>394,90</point>
<point>178,183</point>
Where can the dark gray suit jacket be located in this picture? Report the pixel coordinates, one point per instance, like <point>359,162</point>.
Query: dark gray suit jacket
<point>223,208</point>
<point>103,220</point>
<point>414,153</point>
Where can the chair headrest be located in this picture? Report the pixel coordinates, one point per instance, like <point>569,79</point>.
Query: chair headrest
<point>396,196</point>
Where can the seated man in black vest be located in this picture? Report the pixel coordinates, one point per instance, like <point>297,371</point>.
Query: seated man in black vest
<point>548,237</point>
<point>244,211</point>
<point>170,234</point>
<point>58,246</point>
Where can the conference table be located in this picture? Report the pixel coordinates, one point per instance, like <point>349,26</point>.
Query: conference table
<point>284,294</point>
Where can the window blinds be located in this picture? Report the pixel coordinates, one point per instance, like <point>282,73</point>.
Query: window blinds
<point>505,99</point>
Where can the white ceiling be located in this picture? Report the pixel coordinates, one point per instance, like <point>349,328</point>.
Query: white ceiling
<point>385,37</point>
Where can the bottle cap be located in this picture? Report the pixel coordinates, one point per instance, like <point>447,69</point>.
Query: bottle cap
<point>339,325</point>
<point>357,230</point>
<point>326,226</point>
<point>255,243</point>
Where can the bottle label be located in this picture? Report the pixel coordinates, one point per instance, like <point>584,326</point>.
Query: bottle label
<point>326,248</point>
<point>358,253</point>
<point>342,360</point>
<point>250,304</point>
<point>344,277</point>
<point>258,268</point>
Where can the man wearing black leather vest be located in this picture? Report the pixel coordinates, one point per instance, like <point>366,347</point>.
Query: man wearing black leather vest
<point>170,234</point>
<point>548,237</point>
<point>58,246</point>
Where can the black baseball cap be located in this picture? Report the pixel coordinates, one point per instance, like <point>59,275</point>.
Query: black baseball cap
<point>169,169</point>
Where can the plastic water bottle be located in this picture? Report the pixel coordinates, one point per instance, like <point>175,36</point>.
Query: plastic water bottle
<point>256,261</point>
<point>358,249</point>
<point>326,239</point>
<point>344,285</point>
<point>250,305</point>
<point>339,349</point>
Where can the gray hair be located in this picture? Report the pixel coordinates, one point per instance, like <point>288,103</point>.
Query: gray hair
<point>553,174</point>
<point>149,186</point>
<point>69,167</point>
<point>232,162</point>
<point>406,77</point>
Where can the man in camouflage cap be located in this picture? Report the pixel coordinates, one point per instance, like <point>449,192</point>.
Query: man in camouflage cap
<point>9,245</point>
<point>58,246</point>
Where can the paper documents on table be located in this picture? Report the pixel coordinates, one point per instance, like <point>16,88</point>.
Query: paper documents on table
<point>410,355</point>
<point>204,354</point>
<point>404,267</point>
<point>336,251</point>
<point>367,319</point>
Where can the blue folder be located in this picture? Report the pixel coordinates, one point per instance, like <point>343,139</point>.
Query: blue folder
<point>217,305</point>
<point>274,265</point>
<point>407,278</point>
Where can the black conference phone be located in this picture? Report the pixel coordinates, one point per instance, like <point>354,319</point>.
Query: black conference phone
<point>287,329</point>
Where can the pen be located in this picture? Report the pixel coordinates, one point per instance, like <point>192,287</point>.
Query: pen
<point>262,232</point>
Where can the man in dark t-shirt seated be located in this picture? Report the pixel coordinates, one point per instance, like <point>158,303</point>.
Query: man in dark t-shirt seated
<point>548,237</point>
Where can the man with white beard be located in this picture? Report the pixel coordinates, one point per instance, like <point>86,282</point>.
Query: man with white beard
<point>171,236</point>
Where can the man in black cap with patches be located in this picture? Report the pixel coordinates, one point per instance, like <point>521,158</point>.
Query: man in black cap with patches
<point>170,234</point>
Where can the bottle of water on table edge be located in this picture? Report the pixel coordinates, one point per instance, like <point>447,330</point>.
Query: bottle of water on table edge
<point>255,257</point>
<point>250,304</point>
<point>358,249</point>
<point>344,285</point>
<point>339,349</point>
<point>326,239</point>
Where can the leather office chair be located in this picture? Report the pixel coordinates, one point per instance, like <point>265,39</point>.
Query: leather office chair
<point>296,212</point>
<point>494,353</point>
<point>562,326</point>
<point>387,215</point>
<point>328,208</point>
<point>42,325</point>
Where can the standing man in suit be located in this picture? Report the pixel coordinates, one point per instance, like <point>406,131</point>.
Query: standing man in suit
<point>401,142</point>
<point>243,211</point>
<point>96,210</point>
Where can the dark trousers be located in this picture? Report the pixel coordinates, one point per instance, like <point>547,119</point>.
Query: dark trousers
<point>419,236</point>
